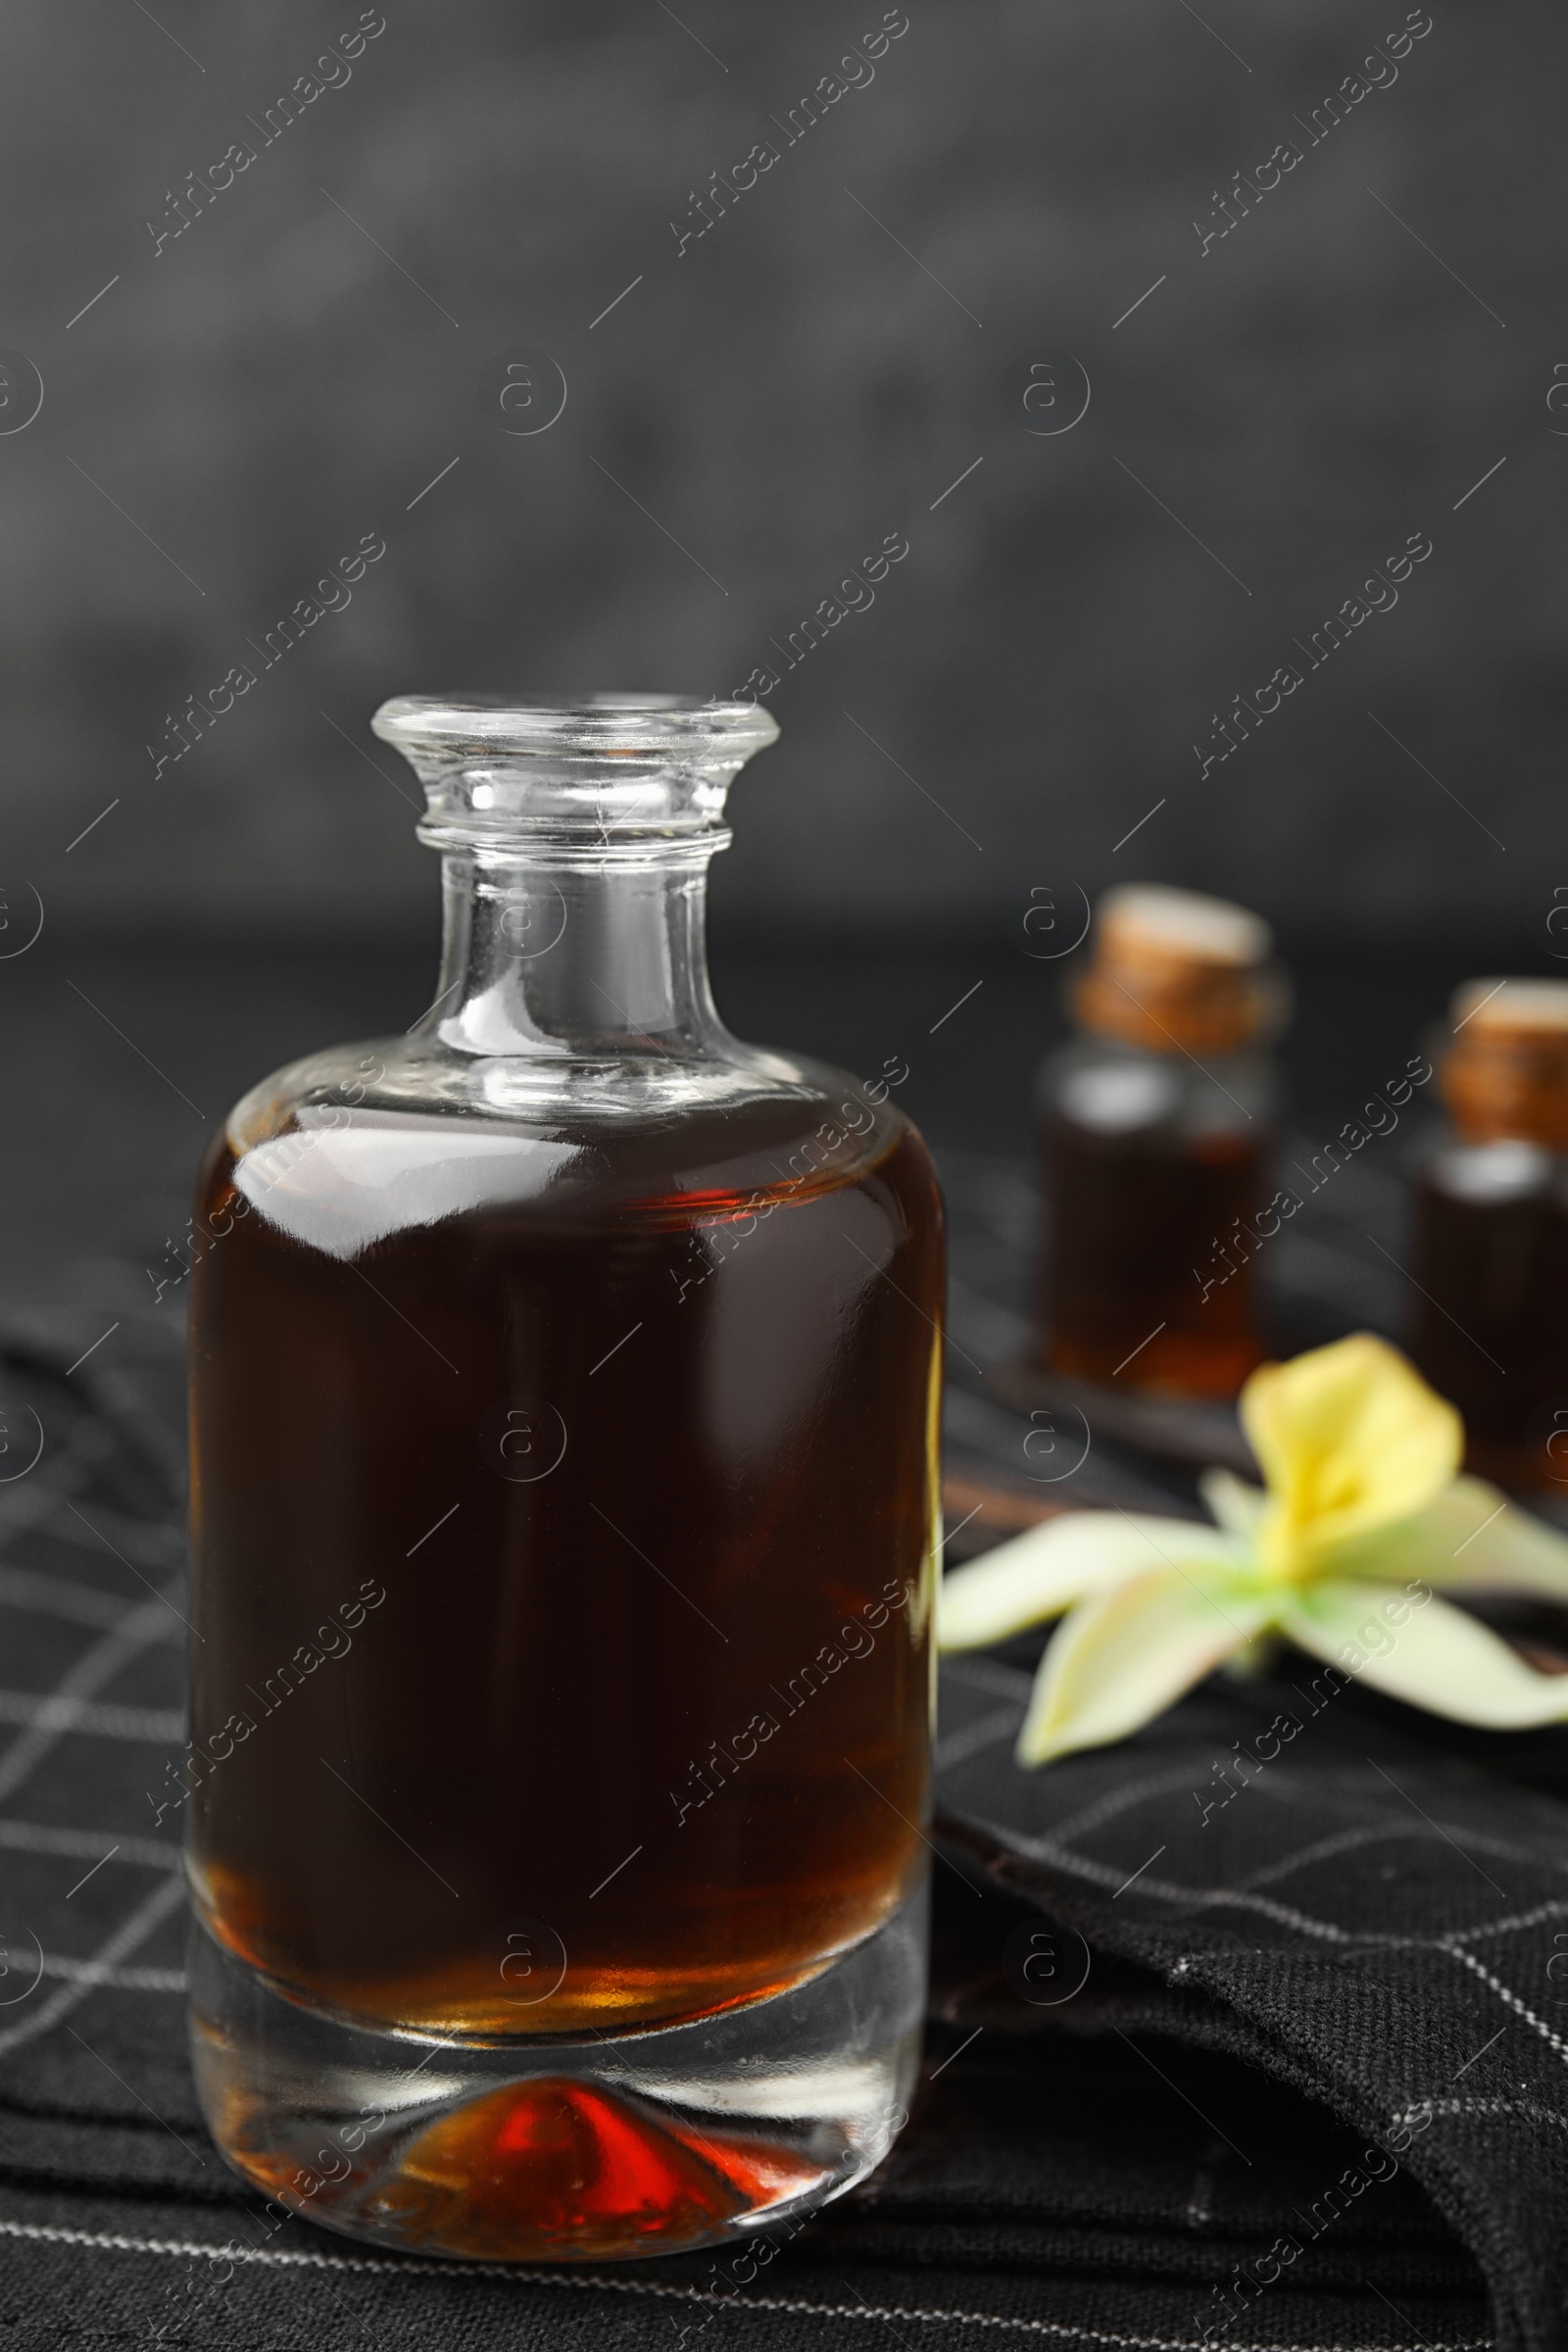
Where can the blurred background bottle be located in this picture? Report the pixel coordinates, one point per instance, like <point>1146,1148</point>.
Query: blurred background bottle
<point>1157,1134</point>
<point>1490,1245</point>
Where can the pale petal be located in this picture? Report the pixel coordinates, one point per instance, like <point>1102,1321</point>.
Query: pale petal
<point>1438,1657</point>
<point>1125,1655</point>
<point>1350,1438</point>
<point>1039,1574</point>
<point>1232,1503</point>
<point>1472,1538</point>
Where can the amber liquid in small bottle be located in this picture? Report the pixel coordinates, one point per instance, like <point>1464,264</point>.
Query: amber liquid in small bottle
<point>560,1552</point>
<point>1138,1219</point>
<point>1490,1305</point>
<point>1489,1263</point>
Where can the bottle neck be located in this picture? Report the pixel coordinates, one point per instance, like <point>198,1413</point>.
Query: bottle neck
<point>590,959</point>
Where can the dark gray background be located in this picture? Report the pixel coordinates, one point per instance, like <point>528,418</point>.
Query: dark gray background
<point>269,385</point>
<point>230,415</point>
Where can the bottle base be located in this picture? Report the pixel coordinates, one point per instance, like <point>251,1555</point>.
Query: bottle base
<point>549,2149</point>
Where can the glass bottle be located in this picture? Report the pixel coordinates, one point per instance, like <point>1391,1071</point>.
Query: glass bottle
<point>565,1398</point>
<point>1490,1242</point>
<point>1157,1134</point>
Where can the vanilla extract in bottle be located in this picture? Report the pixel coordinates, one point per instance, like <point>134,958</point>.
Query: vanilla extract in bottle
<point>564,1392</point>
<point>1490,1244</point>
<point>1157,1139</point>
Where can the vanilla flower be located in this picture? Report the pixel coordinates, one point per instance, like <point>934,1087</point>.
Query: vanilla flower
<point>1362,1526</point>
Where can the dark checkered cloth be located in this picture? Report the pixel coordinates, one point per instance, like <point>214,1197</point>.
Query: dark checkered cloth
<point>1302,2083</point>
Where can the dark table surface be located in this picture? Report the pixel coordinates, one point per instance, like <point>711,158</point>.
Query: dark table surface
<point>119,1062</point>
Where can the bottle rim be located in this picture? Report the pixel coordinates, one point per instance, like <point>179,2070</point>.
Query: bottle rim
<point>609,776</point>
<point>454,728</point>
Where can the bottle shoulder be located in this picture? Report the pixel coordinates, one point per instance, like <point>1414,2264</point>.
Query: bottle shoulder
<point>1116,1089</point>
<point>345,1148</point>
<point>1502,1173</point>
<point>418,1076</point>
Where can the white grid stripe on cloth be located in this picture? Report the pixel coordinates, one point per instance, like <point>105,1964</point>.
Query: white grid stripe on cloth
<point>1345,1842</point>
<point>1511,2000</point>
<point>414,2273</point>
<point>87,1845</point>
<point>131,1933</point>
<point>1055,1850</point>
<point>1558,1908</point>
<point>120,1979</point>
<point>1356,1797</point>
<point>163,1726</point>
<point>98,1665</point>
<point>125,1628</point>
<point>1189,1898</point>
<point>1378,1815</point>
<point>1129,1792</point>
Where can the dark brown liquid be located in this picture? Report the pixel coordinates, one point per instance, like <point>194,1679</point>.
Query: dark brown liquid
<point>639,1727</point>
<point>1132,1217</point>
<point>1489,1320</point>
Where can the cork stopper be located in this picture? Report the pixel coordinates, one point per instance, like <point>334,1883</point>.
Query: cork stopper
<point>1506,1074</point>
<point>1176,972</point>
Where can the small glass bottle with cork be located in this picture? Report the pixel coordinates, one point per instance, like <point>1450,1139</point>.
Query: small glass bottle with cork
<point>1158,1136</point>
<point>1490,1242</point>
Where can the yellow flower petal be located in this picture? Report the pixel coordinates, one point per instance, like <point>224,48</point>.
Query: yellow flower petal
<point>1039,1574</point>
<point>1124,1656</point>
<point>1471,1540</point>
<point>1438,1657</point>
<point>1349,1439</point>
